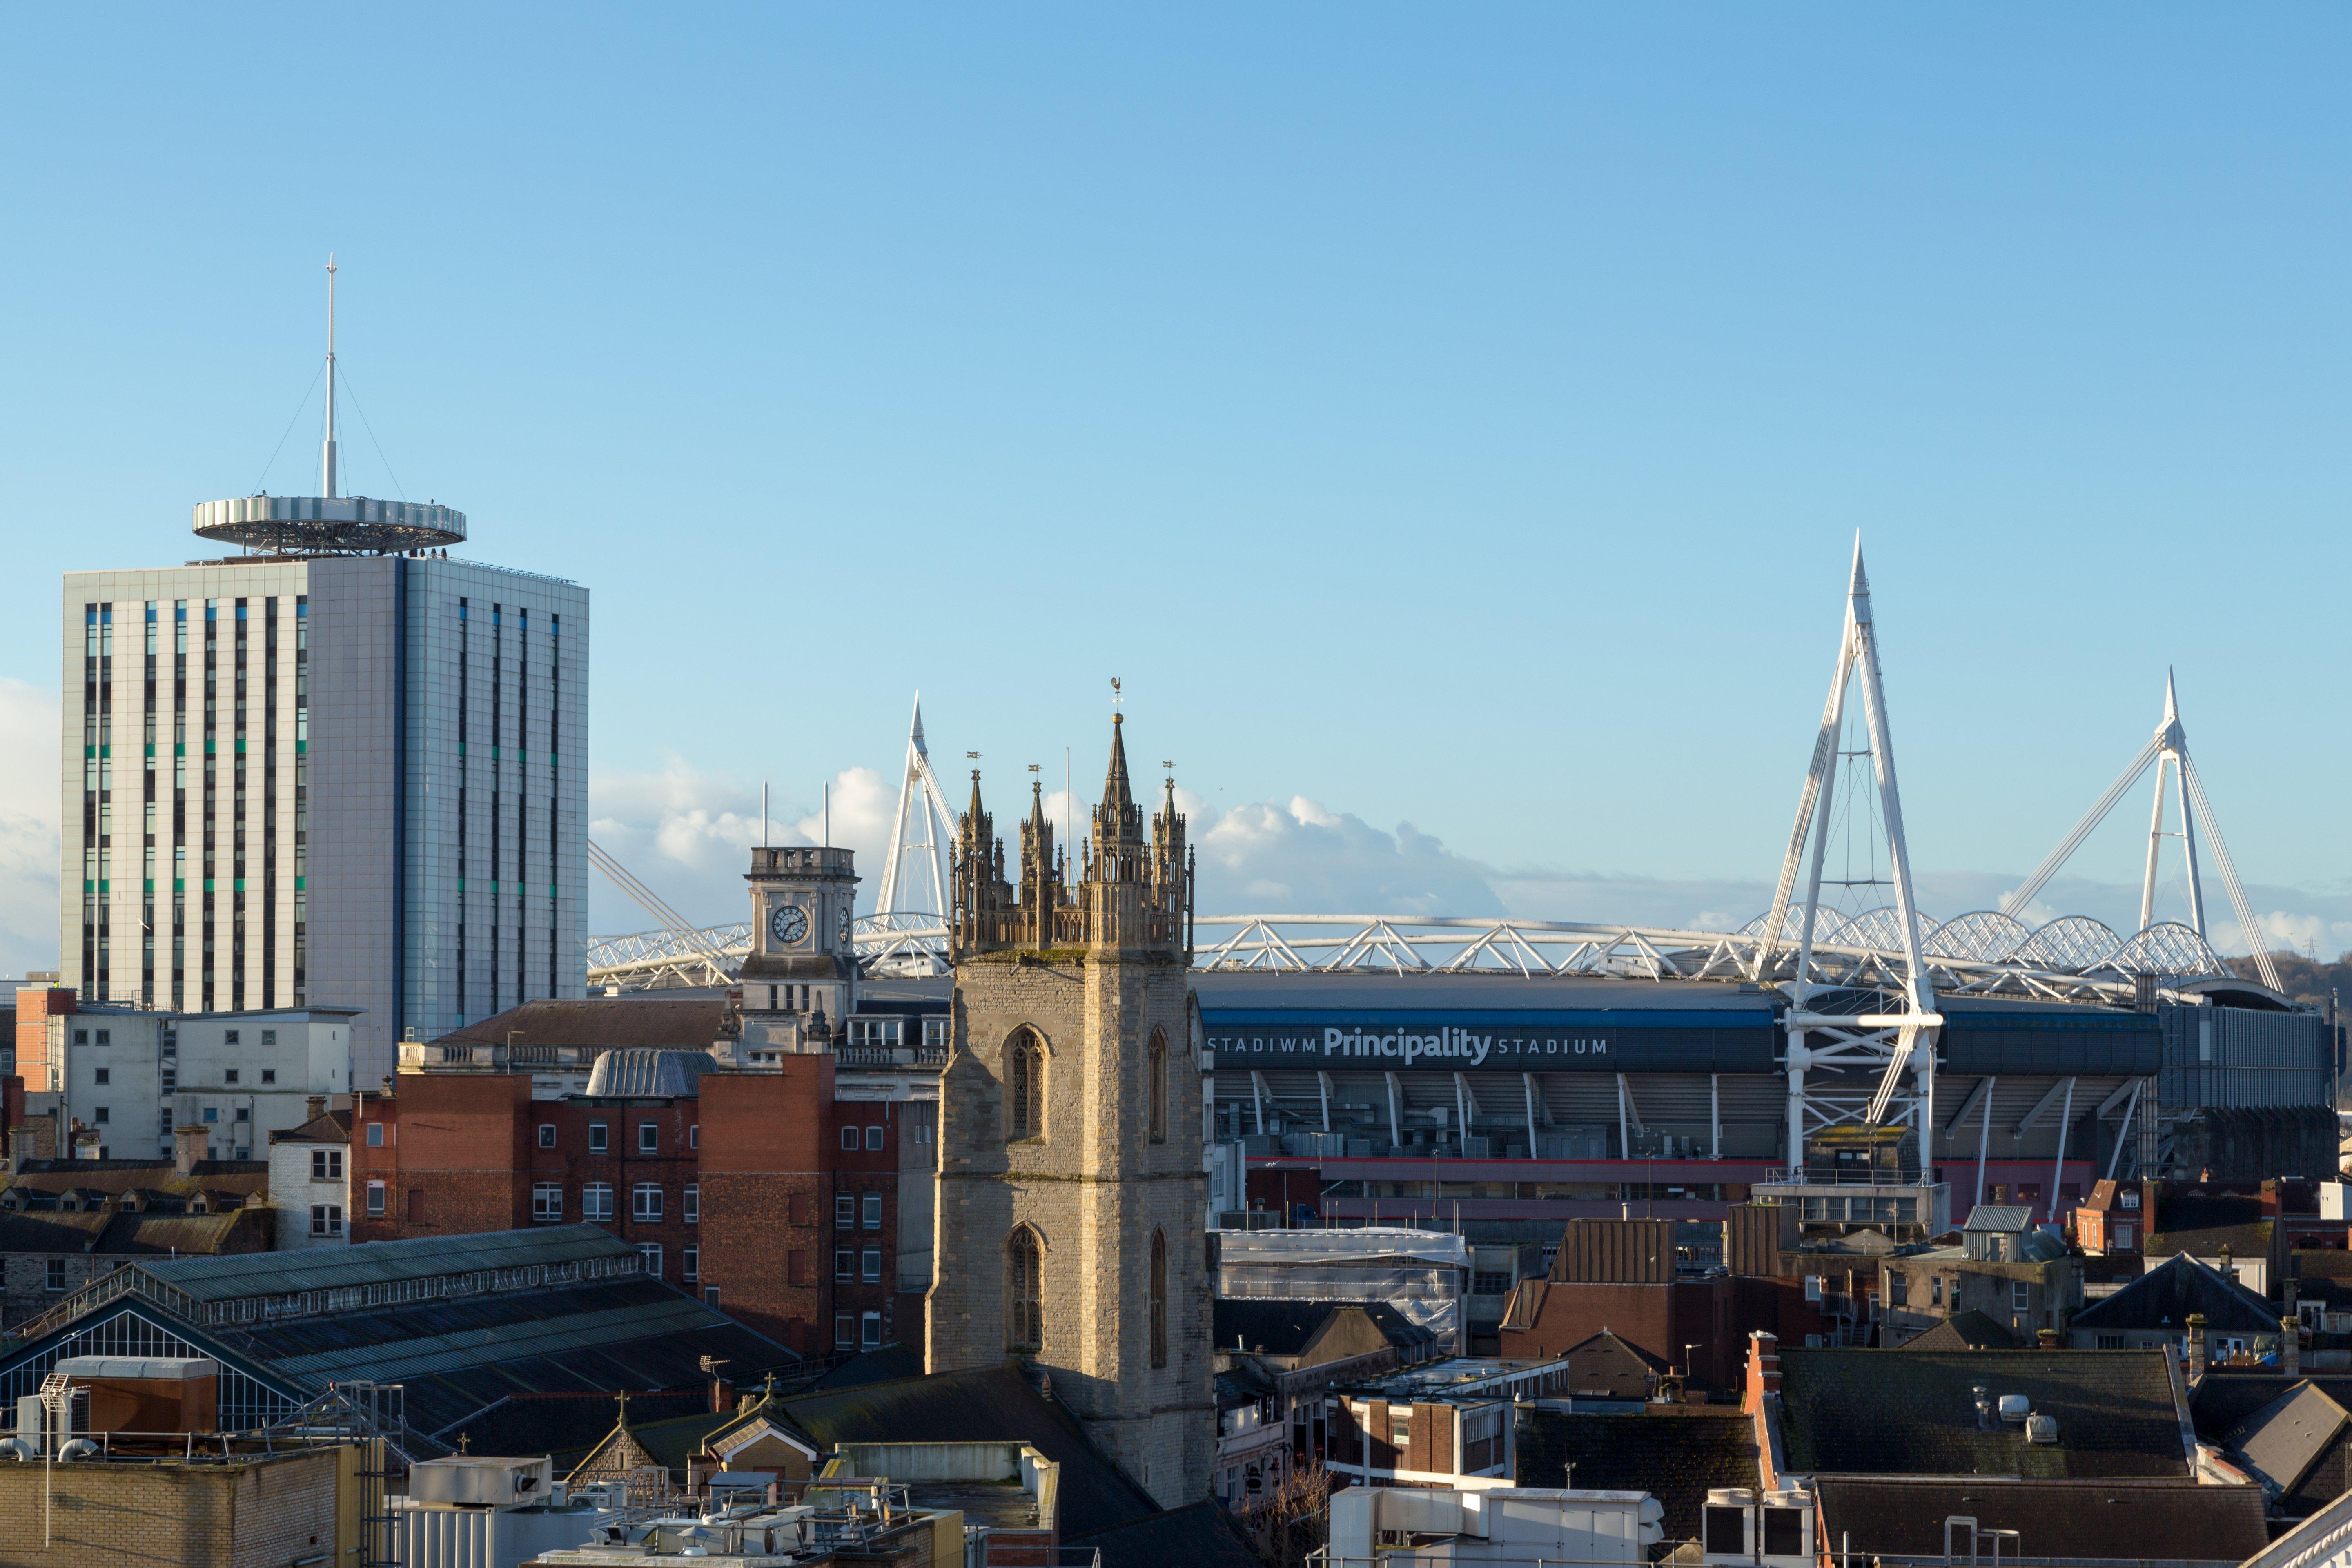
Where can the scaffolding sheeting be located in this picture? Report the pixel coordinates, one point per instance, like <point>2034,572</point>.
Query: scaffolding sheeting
<point>1424,1274</point>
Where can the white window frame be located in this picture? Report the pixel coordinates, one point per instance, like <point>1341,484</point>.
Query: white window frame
<point>691,1211</point>
<point>646,1203</point>
<point>597,1201</point>
<point>651,1252</point>
<point>547,1203</point>
<point>326,1219</point>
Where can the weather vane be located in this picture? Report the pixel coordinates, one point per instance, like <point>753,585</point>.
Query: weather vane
<point>1114,693</point>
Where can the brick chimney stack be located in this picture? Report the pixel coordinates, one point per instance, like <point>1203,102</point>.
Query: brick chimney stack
<point>188,1146</point>
<point>1763,1366</point>
<point>2291,1347</point>
<point>2196,1346</point>
<point>317,1105</point>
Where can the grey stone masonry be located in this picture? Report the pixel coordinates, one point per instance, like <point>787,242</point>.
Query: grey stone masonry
<point>1070,1134</point>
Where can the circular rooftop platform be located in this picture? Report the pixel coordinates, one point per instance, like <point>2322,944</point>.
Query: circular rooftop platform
<point>309,525</point>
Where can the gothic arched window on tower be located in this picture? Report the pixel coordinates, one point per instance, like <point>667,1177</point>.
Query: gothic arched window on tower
<point>1157,1090</point>
<point>1025,1087</point>
<point>1159,1298</point>
<point>1025,1315</point>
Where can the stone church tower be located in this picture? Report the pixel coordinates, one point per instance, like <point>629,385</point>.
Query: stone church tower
<point>1071,1201</point>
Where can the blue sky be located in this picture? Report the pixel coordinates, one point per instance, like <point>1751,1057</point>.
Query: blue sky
<point>1453,417</point>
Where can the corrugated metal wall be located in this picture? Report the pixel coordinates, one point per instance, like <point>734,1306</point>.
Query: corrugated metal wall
<point>2236,1058</point>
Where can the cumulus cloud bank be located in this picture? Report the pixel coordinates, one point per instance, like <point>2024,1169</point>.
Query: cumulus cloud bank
<point>687,831</point>
<point>1300,856</point>
<point>687,835</point>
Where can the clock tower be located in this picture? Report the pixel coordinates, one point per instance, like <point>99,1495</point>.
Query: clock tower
<point>801,960</point>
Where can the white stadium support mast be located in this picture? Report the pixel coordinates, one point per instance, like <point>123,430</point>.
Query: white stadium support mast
<point>911,905</point>
<point>2169,750</point>
<point>1885,1042</point>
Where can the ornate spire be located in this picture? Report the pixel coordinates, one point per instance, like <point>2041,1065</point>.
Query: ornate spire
<point>1118,823</point>
<point>1116,789</point>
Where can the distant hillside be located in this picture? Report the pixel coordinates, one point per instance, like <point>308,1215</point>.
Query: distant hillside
<point>2302,979</point>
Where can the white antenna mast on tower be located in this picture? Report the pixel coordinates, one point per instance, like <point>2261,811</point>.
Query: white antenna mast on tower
<point>1891,1041</point>
<point>327,458</point>
<point>2168,749</point>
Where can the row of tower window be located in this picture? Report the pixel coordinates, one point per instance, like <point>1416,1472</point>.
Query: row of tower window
<point>1024,1293</point>
<point>1025,1087</point>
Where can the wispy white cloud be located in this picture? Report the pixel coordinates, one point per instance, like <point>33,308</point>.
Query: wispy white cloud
<point>28,827</point>
<point>688,836</point>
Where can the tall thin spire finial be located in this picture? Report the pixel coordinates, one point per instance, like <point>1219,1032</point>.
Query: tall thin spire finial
<point>326,460</point>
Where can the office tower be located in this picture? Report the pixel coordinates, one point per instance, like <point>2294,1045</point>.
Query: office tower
<point>336,768</point>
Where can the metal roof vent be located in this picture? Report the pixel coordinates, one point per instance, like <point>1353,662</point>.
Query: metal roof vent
<point>1984,1407</point>
<point>2015,1408</point>
<point>2041,1427</point>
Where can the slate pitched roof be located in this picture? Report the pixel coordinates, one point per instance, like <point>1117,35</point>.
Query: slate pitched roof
<point>1243,1384</point>
<point>1607,1367</point>
<point>598,1023</point>
<point>563,1425</point>
<point>984,1405</point>
<point>1266,1327</point>
<point>1279,1327</point>
<point>1865,1412</point>
<point>2164,1296</point>
<point>113,1231</point>
<point>457,1355</point>
<point>2278,1444</point>
<point>334,1126</point>
<point>2205,1223</point>
<point>2225,1396</point>
<point>878,1365</point>
<point>2125,1520</point>
<point>1969,1330</point>
<point>2006,1219</point>
<point>1203,1532</point>
<point>1675,1459</point>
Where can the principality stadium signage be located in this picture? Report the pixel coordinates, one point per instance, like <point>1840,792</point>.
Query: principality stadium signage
<point>1712,1040</point>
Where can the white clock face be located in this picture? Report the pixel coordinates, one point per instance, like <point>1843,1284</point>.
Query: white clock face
<point>787,923</point>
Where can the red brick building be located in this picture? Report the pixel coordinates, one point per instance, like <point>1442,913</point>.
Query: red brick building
<point>756,1187</point>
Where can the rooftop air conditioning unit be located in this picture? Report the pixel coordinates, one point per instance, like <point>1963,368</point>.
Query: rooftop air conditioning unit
<point>480,1481</point>
<point>2015,1408</point>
